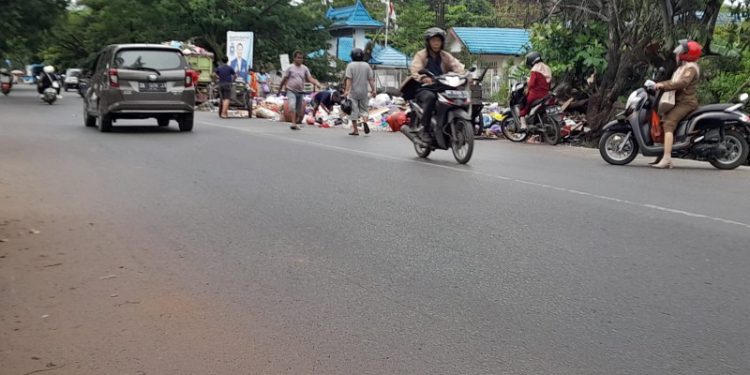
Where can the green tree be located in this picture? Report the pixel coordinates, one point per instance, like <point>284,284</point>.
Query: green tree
<point>639,33</point>
<point>279,26</point>
<point>23,25</point>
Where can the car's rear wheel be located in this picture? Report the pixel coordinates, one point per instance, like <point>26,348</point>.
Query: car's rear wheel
<point>88,120</point>
<point>105,123</point>
<point>162,121</point>
<point>186,122</point>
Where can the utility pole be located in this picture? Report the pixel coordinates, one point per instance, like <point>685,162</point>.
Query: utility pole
<point>440,13</point>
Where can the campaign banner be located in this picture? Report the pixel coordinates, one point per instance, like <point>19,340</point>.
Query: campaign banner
<point>284,59</point>
<point>240,52</point>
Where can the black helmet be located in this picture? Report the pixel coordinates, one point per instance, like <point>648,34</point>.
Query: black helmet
<point>358,54</point>
<point>532,58</point>
<point>433,32</point>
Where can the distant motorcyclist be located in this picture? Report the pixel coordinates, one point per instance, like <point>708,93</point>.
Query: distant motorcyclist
<point>47,78</point>
<point>438,62</point>
<point>538,84</point>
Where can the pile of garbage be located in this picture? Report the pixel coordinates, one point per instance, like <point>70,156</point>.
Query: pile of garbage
<point>382,108</point>
<point>188,48</point>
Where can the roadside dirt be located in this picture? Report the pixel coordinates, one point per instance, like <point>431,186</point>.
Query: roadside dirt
<point>82,296</point>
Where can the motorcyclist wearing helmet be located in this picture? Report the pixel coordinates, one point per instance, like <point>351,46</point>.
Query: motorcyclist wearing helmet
<point>685,84</point>
<point>46,79</point>
<point>438,61</point>
<point>538,83</point>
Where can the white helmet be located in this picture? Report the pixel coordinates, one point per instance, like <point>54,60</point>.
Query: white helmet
<point>49,69</point>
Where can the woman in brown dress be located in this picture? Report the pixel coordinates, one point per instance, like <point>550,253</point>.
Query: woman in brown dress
<point>685,84</point>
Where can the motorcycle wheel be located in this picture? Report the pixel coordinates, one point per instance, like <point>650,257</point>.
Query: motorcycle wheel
<point>463,144</point>
<point>509,130</point>
<point>422,152</point>
<point>737,151</point>
<point>551,131</point>
<point>610,143</point>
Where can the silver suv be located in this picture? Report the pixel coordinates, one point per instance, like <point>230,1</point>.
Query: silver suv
<point>137,81</point>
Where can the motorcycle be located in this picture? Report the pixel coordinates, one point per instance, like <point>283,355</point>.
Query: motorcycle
<point>451,123</point>
<point>49,95</point>
<point>543,119</point>
<point>713,133</point>
<point>6,83</point>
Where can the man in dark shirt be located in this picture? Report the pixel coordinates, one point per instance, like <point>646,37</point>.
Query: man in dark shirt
<point>226,76</point>
<point>327,99</point>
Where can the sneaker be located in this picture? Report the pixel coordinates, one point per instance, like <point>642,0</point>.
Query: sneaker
<point>426,137</point>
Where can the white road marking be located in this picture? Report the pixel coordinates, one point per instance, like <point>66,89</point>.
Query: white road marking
<point>499,177</point>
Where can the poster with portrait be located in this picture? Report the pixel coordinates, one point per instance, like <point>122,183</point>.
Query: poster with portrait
<point>240,52</point>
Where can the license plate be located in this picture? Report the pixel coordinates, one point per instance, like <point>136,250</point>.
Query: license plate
<point>455,94</point>
<point>152,87</point>
<point>553,110</point>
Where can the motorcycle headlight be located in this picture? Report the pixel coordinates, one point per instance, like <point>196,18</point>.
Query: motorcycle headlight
<point>453,81</point>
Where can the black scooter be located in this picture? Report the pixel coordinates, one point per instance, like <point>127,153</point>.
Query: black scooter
<point>544,117</point>
<point>451,123</point>
<point>713,133</point>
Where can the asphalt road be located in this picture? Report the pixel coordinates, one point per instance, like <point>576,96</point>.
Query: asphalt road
<point>245,248</point>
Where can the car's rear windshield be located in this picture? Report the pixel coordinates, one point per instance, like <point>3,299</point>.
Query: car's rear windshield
<point>148,58</point>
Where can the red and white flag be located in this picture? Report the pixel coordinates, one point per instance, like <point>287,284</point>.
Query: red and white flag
<point>390,13</point>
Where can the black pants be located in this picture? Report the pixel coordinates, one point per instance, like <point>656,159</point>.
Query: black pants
<point>427,100</point>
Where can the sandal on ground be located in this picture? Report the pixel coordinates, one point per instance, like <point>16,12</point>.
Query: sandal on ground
<point>367,128</point>
<point>352,133</point>
<point>294,127</point>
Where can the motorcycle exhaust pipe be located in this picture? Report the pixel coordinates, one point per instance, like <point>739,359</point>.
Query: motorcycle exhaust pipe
<point>412,135</point>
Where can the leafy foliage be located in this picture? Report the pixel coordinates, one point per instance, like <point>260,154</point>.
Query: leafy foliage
<point>569,51</point>
<point>23,24</point>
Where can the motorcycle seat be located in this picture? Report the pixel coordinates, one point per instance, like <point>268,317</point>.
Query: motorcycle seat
<point>707,108</point>
<point>540,101</point>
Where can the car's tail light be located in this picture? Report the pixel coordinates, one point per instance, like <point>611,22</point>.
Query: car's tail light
<point>189,74</point>
<point>114,79</point>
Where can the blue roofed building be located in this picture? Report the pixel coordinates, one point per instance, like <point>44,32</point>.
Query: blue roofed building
<point>350,22</point>
<point>348,28</point>
<point>492,48</point>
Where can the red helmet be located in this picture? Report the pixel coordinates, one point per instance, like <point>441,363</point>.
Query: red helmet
<point>688,50</point>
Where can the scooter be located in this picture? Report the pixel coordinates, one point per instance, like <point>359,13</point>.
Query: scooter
<point>49,95</point>
<point>713,133</point>
<point>543,119</point>
<point>6,83</point>
<point>451,123</point>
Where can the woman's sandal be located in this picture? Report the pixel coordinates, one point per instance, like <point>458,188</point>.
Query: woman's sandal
<point>353,133</point>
